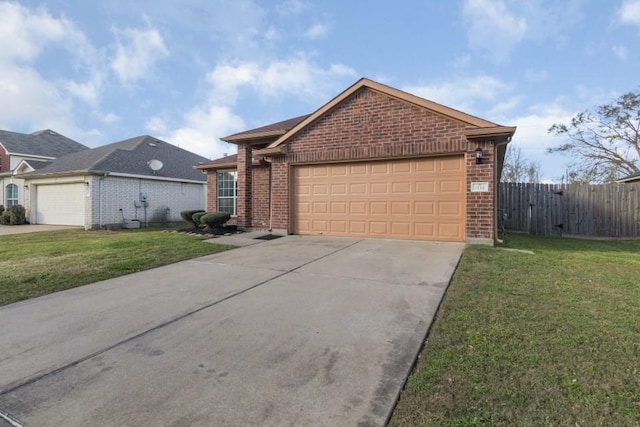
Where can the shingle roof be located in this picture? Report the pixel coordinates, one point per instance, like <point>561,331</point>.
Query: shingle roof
<point>130,156</point>
<point>45,143</point>
<point>274,129</point>
<point>222,161</point>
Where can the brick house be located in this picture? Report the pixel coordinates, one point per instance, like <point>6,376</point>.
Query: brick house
<point>372,162</point>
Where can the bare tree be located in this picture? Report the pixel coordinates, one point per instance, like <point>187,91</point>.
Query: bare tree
<point>605,143</point>
<point>517,168</point>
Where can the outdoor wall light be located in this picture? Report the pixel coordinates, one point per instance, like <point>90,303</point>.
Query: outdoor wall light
<point>26,186</point>
<point>478,156</point>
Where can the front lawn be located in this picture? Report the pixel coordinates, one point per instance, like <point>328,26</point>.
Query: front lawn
<point>533,340</point>
<point>41,263</point>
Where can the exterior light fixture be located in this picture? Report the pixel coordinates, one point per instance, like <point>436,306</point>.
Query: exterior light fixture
<point>478,156</point>
<point>26,186</point>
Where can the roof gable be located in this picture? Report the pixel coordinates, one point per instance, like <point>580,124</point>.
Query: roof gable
<point>463,118</point>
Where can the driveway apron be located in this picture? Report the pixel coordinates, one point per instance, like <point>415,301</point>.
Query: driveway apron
<point>293,331</point>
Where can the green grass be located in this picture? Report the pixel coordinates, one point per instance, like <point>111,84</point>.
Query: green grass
<point>533,340</point>
<point>36,264</point>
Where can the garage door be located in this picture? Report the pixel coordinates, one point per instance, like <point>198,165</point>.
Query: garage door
<point>60,204</point>
<point>418,199</point>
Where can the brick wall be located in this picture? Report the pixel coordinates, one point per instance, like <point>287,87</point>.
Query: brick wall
<point>4,160</point>
<point>280,197</point>
<point>481,206</point>
<point>212,191</point>
<point>244,186</point>
<point>260,203</point>
<point>115,193</point>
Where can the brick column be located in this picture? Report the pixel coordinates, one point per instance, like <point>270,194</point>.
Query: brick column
<point>481,205</point>
<point>244,186</point>
<point>212,193</point>
<point>280,194</point>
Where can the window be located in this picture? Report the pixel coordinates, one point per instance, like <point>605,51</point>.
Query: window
<point>12,195</point>
<point>227,191</point>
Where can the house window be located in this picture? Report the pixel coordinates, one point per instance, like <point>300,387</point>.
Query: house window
<point>12,195</point>
<point>227,191</point>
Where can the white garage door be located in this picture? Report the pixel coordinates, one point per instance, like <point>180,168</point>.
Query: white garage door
<point>417,199</point>
<point>60,204</point>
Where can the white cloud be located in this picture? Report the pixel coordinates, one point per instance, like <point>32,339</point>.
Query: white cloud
<point>533,137</point>
<point>317,31</point>
<point>38,101</point>
<point>629,13</point>
<point>201,129</point>
<point>137,51</point>
<point>110,118</point>
<point>464,93</point>
<point>295,76</point>
<point>620,51</point>
<point>493,29</point>
<point>292,7</point>
<point>203,125</point>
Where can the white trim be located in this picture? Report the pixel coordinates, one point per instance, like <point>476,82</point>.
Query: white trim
<point>30,155</point>
<point>151,177</point>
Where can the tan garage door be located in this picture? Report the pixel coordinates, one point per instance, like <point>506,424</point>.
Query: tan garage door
<point>418,199</point>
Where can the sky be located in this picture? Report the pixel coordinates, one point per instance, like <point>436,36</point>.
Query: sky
<point>192,71</point>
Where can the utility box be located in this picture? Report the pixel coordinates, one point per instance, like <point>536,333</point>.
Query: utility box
<point>131,223</point>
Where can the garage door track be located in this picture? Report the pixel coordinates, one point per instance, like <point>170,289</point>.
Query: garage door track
<point>293,331</point>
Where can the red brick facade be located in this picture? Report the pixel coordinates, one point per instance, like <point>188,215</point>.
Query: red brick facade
<point>260,203</point>
<point>366,125</point>
<point>212,190</point>
<point>5,161</point>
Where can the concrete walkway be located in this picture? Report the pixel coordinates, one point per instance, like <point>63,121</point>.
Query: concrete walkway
<point>293,331</point>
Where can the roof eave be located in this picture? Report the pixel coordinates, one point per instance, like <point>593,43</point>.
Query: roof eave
<point>235,139</point>
<point>490,132</point>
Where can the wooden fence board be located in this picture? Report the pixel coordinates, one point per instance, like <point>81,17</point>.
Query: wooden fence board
<point>609,210</point>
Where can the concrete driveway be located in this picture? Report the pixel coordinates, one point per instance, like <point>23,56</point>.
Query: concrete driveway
<point>5,230</point>
<point>294,331</point>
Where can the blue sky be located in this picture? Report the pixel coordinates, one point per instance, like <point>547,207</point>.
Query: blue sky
<point>192,71</point>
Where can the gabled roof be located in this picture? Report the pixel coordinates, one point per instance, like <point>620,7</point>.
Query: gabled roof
<point>272,130</point>
<point>44,143</point>
<point>128,157</point>
<point>221,163</point>
<point>630,178</point>
<point>472,122</point>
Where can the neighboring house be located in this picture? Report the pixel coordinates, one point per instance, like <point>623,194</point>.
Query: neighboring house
<point>372,162</point>
<point>142,179</point>
<point>20,153</point>
<point>630,178</point>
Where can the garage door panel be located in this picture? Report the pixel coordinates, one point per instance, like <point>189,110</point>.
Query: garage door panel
<point>404,199</point>
<point>60,204</point>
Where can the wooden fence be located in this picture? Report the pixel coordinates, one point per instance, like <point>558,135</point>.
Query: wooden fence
<point>609,210</point>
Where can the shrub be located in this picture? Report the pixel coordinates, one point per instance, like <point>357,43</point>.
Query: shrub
<point>1,209</point>
<point>196,218</point>
<point>215,220</point>
<point>187,216</point>
<point>15,215</point>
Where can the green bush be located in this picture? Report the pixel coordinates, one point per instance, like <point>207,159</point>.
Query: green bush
<point>187,216</point>
<point>15,215</point>
<point>1,209</point>
<point>215,220</point>
<point>196,218</point>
